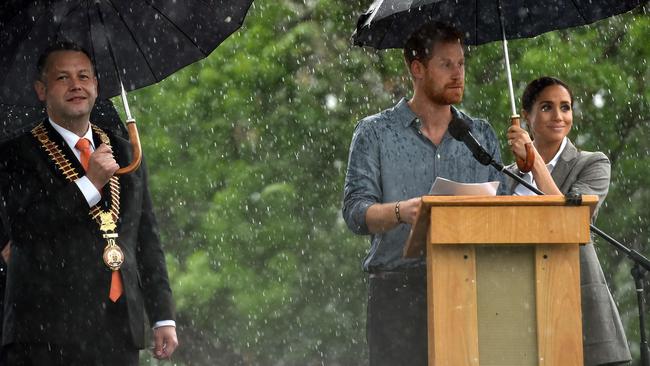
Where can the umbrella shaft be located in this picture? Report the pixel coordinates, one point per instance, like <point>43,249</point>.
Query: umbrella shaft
<point>507,59</point>
<point>125,102</point>
<point>509,76</point>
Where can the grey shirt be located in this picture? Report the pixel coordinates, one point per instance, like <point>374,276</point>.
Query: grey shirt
<point>391,160</point>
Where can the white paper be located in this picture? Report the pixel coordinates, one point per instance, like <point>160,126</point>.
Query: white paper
<point>446,187</point>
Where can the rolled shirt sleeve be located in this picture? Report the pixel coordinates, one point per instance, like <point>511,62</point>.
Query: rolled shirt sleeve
<point>362,188</point>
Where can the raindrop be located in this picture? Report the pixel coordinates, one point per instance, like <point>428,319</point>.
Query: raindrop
<point>598,99</point>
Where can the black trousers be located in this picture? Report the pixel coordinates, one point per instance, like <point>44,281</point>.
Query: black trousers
<point>397,319</point>
<point>111,347</point>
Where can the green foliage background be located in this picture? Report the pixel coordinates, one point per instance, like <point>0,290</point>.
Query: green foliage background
<point>248,148</point>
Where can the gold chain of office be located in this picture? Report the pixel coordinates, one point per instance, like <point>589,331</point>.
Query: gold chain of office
<point>106,219</point>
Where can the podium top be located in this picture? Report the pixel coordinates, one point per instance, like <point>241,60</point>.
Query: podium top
<point>511,210</point>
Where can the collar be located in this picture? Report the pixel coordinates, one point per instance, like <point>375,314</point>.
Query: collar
<point>70,137</point>
<point>404,113</point>
<point>551,164</point>
<point>407,117</point>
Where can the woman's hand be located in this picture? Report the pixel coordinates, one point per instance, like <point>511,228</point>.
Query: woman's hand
<point>517,139</point>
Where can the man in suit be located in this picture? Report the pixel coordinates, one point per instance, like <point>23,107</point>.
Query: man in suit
<point>86,259</point>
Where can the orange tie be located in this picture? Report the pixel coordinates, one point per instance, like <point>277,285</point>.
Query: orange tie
<point>116,287</point>
<point>83,145</point>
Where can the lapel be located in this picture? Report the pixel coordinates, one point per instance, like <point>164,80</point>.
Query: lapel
<point>566,162</point>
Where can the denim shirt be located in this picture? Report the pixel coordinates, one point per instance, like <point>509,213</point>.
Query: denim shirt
<point>391,160</point>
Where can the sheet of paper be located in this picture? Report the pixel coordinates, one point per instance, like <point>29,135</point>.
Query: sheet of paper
<point>446,187</point>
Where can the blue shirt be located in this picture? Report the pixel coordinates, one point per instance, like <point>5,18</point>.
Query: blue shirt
<point>391,160</point>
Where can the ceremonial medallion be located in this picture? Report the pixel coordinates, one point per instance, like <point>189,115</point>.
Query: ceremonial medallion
<point>113,255</point>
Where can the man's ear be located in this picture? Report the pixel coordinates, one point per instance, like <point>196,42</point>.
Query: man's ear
<point>417,69</point>
<point>41,89</point>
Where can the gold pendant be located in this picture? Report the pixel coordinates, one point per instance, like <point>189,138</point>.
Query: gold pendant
<point>113,255</point>
<point>106,221</point>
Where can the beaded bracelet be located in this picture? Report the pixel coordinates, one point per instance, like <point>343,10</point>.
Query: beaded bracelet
<point>397,215</point>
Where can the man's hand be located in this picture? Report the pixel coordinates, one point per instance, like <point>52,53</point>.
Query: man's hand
<point>165,342</point>
<point>101,166</point>
<point>408,209</point>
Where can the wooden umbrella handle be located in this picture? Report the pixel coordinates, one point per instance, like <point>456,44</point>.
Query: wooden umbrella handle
<point>135,147</point>
<point>524,165</point>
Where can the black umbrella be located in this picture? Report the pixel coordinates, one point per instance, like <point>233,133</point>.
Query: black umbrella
<point>389,23</point>
<point>134,43</point>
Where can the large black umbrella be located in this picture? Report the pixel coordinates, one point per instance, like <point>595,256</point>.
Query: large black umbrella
<point>134,43</point>
<point>389,23</point>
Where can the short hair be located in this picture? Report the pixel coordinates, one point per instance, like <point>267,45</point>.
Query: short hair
<point>535,87</point>
<point>419,45</point>
<point>59,46</point>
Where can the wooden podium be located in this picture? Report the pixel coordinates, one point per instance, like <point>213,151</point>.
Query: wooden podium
<point>503,278</point>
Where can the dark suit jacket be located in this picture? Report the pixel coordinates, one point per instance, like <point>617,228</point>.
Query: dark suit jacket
<point>57,282</point>
<point>604,340</point>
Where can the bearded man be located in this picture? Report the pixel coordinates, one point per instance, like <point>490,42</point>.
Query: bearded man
<point>395,156</point>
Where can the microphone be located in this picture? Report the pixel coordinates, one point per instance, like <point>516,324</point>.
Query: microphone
<point>459,130</point>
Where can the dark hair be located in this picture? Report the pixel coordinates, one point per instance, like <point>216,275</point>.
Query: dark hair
<point>535,87</point>
<point>419,45</point>
<point>58,46</point>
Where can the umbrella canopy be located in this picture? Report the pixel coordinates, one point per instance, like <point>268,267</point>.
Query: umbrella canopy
<point>388,23</point>
<point>137,42</point>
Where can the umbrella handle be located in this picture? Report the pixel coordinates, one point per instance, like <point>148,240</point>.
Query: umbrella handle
<point>135,146</point>
<point>524,165</point>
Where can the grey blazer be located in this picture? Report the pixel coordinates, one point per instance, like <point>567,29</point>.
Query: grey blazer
<point>604,339</point>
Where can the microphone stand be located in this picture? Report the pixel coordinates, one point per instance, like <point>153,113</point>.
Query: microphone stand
<point>639,270</point>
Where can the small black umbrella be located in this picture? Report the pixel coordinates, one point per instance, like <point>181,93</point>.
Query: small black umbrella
<point>389,23</point>
<point>134,43</point>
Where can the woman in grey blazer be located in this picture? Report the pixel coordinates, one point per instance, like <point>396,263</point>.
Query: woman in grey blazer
<point>559,169</point>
